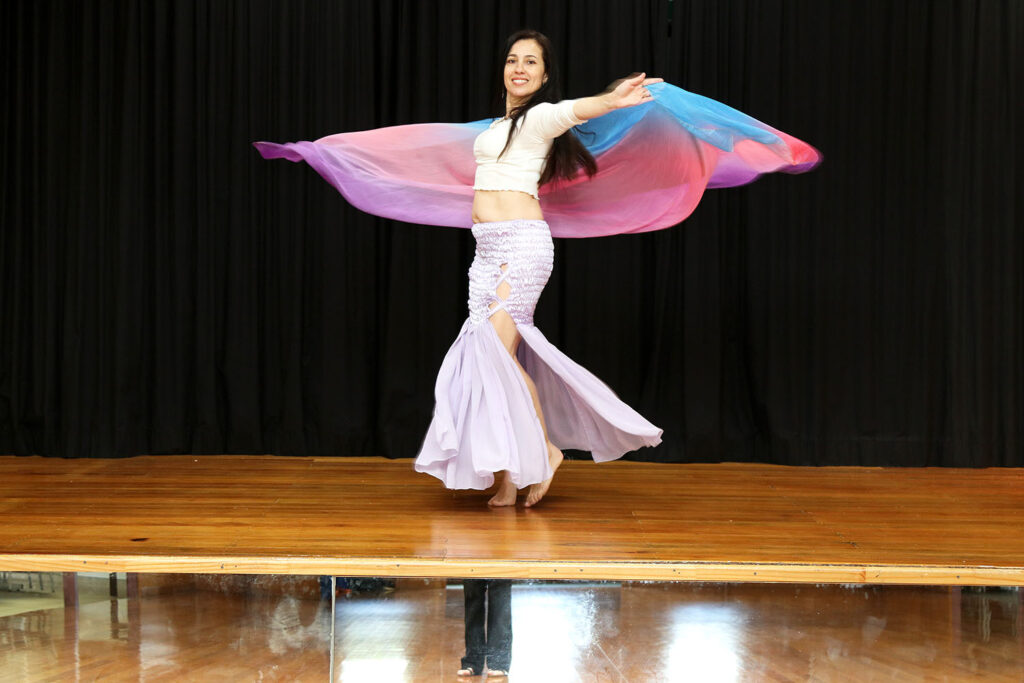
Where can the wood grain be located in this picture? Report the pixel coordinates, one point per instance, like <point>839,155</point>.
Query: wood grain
<point>567,631</point>
<point>617,521</point>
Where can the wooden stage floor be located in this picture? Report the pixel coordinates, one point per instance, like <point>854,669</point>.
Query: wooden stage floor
<point>614,521</point>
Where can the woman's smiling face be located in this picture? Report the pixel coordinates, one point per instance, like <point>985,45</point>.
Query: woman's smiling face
<point>524,70</point>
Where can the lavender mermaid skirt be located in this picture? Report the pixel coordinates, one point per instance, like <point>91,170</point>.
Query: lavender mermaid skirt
<point>484,418</point>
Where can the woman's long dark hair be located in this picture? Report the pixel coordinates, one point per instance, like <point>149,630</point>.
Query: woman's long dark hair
<point>567,153</point>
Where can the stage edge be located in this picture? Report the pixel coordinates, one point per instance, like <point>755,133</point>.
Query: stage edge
<point>735,572</point>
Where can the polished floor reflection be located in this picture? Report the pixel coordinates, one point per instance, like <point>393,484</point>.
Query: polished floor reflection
<point>278,628</point>
<point>697,632</point>
<point>614,521</point>
<point>181,628</point>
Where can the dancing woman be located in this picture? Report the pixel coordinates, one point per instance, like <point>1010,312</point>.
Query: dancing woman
<point>507,400</point>
<point>505,431</point>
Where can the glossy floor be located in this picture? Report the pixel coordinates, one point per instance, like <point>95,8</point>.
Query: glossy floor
<point>208,629</point>
<point>614,521</point>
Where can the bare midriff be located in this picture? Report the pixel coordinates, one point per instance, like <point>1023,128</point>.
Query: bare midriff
<point>492,206</point>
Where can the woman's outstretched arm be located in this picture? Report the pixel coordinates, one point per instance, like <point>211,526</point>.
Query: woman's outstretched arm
<point>625,92</point>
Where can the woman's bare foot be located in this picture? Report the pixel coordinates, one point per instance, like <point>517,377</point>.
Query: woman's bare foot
<point>506,494</point>
<point>537,491</point>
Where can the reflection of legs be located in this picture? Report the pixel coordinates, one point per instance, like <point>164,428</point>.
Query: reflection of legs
<point>510,338</point>
<point>474,593</point>
<point>499,625</point>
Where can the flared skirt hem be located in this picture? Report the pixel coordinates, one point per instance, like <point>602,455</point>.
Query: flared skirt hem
<point>485,421</point>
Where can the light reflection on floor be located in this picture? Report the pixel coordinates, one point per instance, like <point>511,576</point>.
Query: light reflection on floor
<point>704,644</point>
<point>554,630</point>
<point>373,670</point>
<point>562,632</point>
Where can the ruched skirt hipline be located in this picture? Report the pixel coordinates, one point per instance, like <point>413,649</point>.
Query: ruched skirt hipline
<point>484,418</point>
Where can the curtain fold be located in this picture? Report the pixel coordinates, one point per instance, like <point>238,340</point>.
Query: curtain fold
<point>165,290</point>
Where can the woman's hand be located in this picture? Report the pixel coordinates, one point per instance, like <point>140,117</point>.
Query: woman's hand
<point>629,91</point>
<point>625,92</point>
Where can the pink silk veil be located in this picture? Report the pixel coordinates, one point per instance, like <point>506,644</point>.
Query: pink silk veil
<point>654,162</point>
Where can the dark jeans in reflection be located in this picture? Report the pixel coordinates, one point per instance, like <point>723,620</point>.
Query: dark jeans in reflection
<point>493,597</point>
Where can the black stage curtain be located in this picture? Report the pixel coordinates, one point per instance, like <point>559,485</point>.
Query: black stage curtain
<point>165,290</point>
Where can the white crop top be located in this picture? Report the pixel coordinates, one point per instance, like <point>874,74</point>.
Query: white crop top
<point>522,164</point>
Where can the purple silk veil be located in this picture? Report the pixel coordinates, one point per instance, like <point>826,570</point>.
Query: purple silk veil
<point>654,162</point>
